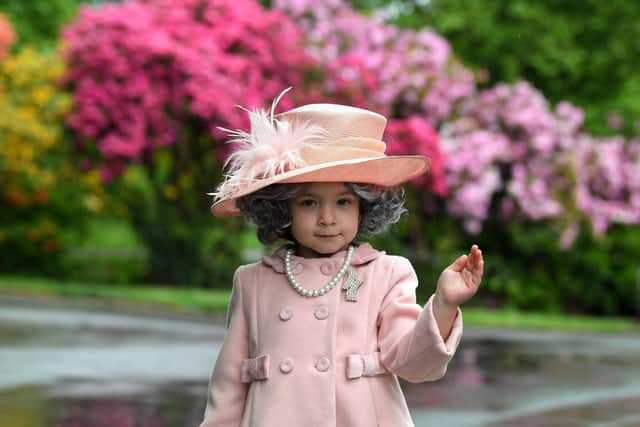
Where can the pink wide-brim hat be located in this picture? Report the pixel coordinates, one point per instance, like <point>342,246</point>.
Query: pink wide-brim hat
<point>312,143</point>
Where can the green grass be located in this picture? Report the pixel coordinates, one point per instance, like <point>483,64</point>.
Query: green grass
<point>162,297</point>
<point>556,321</point>
<point>215,302</point>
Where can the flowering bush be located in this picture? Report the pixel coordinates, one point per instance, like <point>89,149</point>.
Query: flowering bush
<point>415,71</point>
<point>198,58</point>
<point>140,70</point>
<point>151,81</point>
<point>507,141</point>
<point>40,190</point>
<point>608,181</point>
<point>414,135</point>
<point>500,146</point>
<point>404,74</point>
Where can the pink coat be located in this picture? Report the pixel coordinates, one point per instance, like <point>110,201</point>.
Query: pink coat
<point>288,360</point>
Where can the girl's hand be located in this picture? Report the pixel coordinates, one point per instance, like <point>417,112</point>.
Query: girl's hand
<point>460,281</point>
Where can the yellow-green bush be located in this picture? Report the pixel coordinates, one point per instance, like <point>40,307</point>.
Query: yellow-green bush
<point>42,191</point>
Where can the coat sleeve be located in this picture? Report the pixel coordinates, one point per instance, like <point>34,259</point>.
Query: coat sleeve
<point>410,342</point>
<point>227,394</point>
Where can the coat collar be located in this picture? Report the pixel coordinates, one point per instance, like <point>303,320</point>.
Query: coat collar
<point>363,254</point>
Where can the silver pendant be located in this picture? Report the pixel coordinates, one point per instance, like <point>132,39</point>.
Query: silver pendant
<point>351,285</point>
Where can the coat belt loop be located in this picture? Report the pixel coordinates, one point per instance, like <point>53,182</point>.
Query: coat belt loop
<point>364,365</point>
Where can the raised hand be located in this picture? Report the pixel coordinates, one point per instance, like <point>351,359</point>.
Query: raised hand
<point>460,281</point>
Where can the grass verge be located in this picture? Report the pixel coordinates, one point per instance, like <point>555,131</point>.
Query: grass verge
<point>144,296</point>
<point>548,321</point>
<point>204,301</point>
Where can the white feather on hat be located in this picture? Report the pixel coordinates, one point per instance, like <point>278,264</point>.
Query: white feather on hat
<point>271,148</point>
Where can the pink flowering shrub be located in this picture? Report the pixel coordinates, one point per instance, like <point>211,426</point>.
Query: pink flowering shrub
<point>141,70</point>
<point>152,80</point>
<point>406,75</point>
<point>415,71</point>
<point>504,145</point>
<point>7,36</point>
<point>414,135</point>
<point>608,181</point>
<point>508,140</point>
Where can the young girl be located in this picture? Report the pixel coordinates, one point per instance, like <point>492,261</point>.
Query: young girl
<point>319,331</point>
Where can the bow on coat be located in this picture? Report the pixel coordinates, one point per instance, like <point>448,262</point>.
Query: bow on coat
<point>255,369</point>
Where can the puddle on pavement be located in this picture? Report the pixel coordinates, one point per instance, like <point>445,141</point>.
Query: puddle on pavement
<point>165,406</point>
<point>16,334</point>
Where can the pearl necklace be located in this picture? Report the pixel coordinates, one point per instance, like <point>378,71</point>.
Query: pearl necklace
<point>323,290</point>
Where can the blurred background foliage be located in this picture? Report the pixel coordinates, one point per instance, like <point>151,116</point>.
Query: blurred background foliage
<point>151,224</point>
<point>38,22</point>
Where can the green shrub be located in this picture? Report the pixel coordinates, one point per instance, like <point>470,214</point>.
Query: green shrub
<point>38,22</point>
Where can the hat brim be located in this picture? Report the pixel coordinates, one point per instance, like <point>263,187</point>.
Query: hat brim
<point>385,171</point>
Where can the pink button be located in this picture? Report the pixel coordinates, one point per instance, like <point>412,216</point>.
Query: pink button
<point>286,365</point>
<point>327,269</point>
<point>286,314</point>
<point>323,364</point>
<point>297,269</point>
<point>321,312</point>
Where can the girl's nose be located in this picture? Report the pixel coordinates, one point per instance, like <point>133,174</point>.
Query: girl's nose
<point>327,216</point>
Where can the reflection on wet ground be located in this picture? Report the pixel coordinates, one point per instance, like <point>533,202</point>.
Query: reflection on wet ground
<point>66,367</point>
<point>172,404</point>
<point>507,378</point>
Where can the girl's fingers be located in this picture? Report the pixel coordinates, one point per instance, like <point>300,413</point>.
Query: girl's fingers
<point>476,257</point>
<point>479,261</point>
<point>459,264</point>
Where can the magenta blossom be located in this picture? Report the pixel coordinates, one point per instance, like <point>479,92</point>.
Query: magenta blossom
<point>142,71</point>
<point>415,136</point>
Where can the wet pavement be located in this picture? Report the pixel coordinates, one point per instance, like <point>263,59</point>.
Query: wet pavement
<point>517,378</point>
<point>66,366</point>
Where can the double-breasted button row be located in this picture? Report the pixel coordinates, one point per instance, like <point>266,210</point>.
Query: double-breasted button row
<point>322,365</point>
<point>320,313</point>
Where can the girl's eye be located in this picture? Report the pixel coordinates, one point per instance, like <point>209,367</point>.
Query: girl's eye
<point>308,203</point>
<point>344,202</point>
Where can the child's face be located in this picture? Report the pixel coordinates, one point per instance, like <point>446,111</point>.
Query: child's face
<point>324,219</point>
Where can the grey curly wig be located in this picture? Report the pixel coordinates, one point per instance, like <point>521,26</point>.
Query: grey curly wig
<point>268,208</point>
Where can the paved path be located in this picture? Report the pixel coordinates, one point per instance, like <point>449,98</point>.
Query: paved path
<point>498,378</point>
